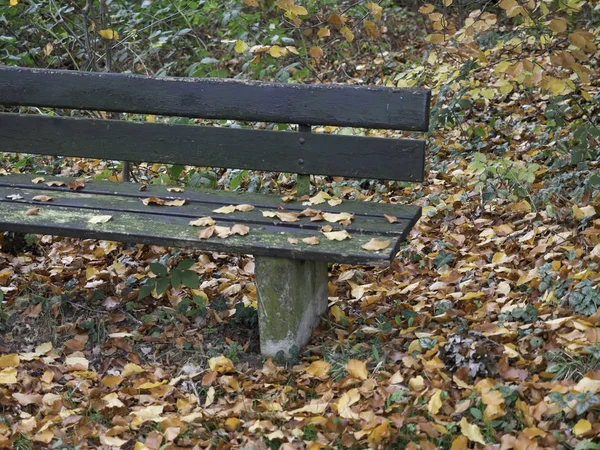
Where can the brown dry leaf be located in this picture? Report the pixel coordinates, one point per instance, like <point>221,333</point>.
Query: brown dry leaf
<point>153,201</point>
<point>337,235</point>
<point>326,229</point>
<point>375,245</point>
<point>42,198</point>
<point>55,183</point>
<point>222,232</point>
<point>33,211</point>
<point>207,232</point>
<point>334,201</point>
<point>28,399</point>
<point>293,240</point>
<point>244,208</point>
<point>8,376</point>
<point>284,217</point>
<point>176,202</point>
<point>100,219</point>
<point>38,180</point>
<point>175,189</point>
<point>111,381</point>
<point>242,230</point>
<point>251,2</point>
<point>11,360</point>
<point>225,209</point>
<point>313,240</point>
<point>357,369</point>
<point>333,218</point>
<point>319,198</point>
<point>203,222</point>
<point>316,52</point>
<point>391,219</point>
<point>76,184</point>
<point>288,198</point>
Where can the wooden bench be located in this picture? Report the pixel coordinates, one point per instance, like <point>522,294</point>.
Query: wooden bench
<point>291,275</point>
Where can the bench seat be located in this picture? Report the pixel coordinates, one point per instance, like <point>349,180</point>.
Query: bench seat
<point>69,212</point>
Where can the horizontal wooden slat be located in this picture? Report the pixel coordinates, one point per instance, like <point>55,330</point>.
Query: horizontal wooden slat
<point>324,104</point>
<point>86,199</point>
<point>213,198</point>
<point>174,231</point>
<point>349,156</point>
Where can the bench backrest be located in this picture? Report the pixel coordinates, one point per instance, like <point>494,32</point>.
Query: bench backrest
<point>207,146</point>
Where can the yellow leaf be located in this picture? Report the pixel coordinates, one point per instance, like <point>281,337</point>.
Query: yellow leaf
<point>472,432</point>
<point>436,38</point>
<point>131,369</point>
<point>11,360</point>
<point>240,46</point>
<point>426,8</point>
<point>318,368</point>
<point>99,219</point>
<point>298,10</point>
<point>347,33</point>
<point>357,369</point>
<point>251,2</point>
<point>447,2</point>
<point>339,217</point>
<point>338,313</point>
<point>586,211</point>
<point>337,235</point>
<point>324,32</point>
<point>232,424</point>
<point>112,400</point>
<point>111,381</point>
<point>275,51</point>
<point>221,364</point>
<point>582,427</point>
<point>416,383</point>
<point>176,202</point>
<point>8,376</point>
<point>346,400</point>
<point>244,208</point>
<point>225,209</point>
<point>13,3</point>
<point>316,52</point>
<point>376,244</point>
<point>375,9</point>
<point>108,34</point>
<point>435,403</point>
<point>372,29</point>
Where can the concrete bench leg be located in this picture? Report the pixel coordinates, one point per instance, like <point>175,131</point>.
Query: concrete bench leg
<point>292,295</point>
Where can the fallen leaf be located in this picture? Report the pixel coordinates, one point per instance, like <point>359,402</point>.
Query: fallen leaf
<point>293,240</point>
<point>318,368</point>
<point>221,364</point>
<point>244,208</point>
<point>223,232</point>
<point>33,211</point>
<point>177,202</point>
<point>375,245</point>
<point>581,427</point>
<point>225,209</point>
<point>99,219</point>
<point>284,217</point>
<point>8,376</point>
<point>38,180</point>
<point>131,369</point>
<point>42,198</point>
<point>357,369</point>
<point>207,232</point>
<point>337,235</point>
<point>321,197</point>
<point>75,185</point>
<point>435,402</point>
<point>11,360</point>
<point>108,34</point>
<point>330,217</point>
<point>313,240</point>
<point>175,189</point>
<point>153,201</point>
<point>55,183</point>
<point>471,431</point>
<point>203,222</point>
<point>334,201</point>
<point>391,219</point>
<point>242,230</point>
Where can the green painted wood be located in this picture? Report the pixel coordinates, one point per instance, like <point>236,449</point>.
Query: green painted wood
<point>303,181</point>
<point>84,199</point>
<point>175,231</point>
<point>349,156</point>
<point>210,98</point>
<point>214,197</point>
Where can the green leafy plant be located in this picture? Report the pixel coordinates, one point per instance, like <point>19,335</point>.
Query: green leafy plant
<point>177,276</point>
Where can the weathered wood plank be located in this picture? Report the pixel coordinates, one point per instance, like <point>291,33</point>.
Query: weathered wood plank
<point>214,197</point>
<point>324,104</point>
<point>192,210</point>
<point>175,231</point>
<point>350,156</point>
